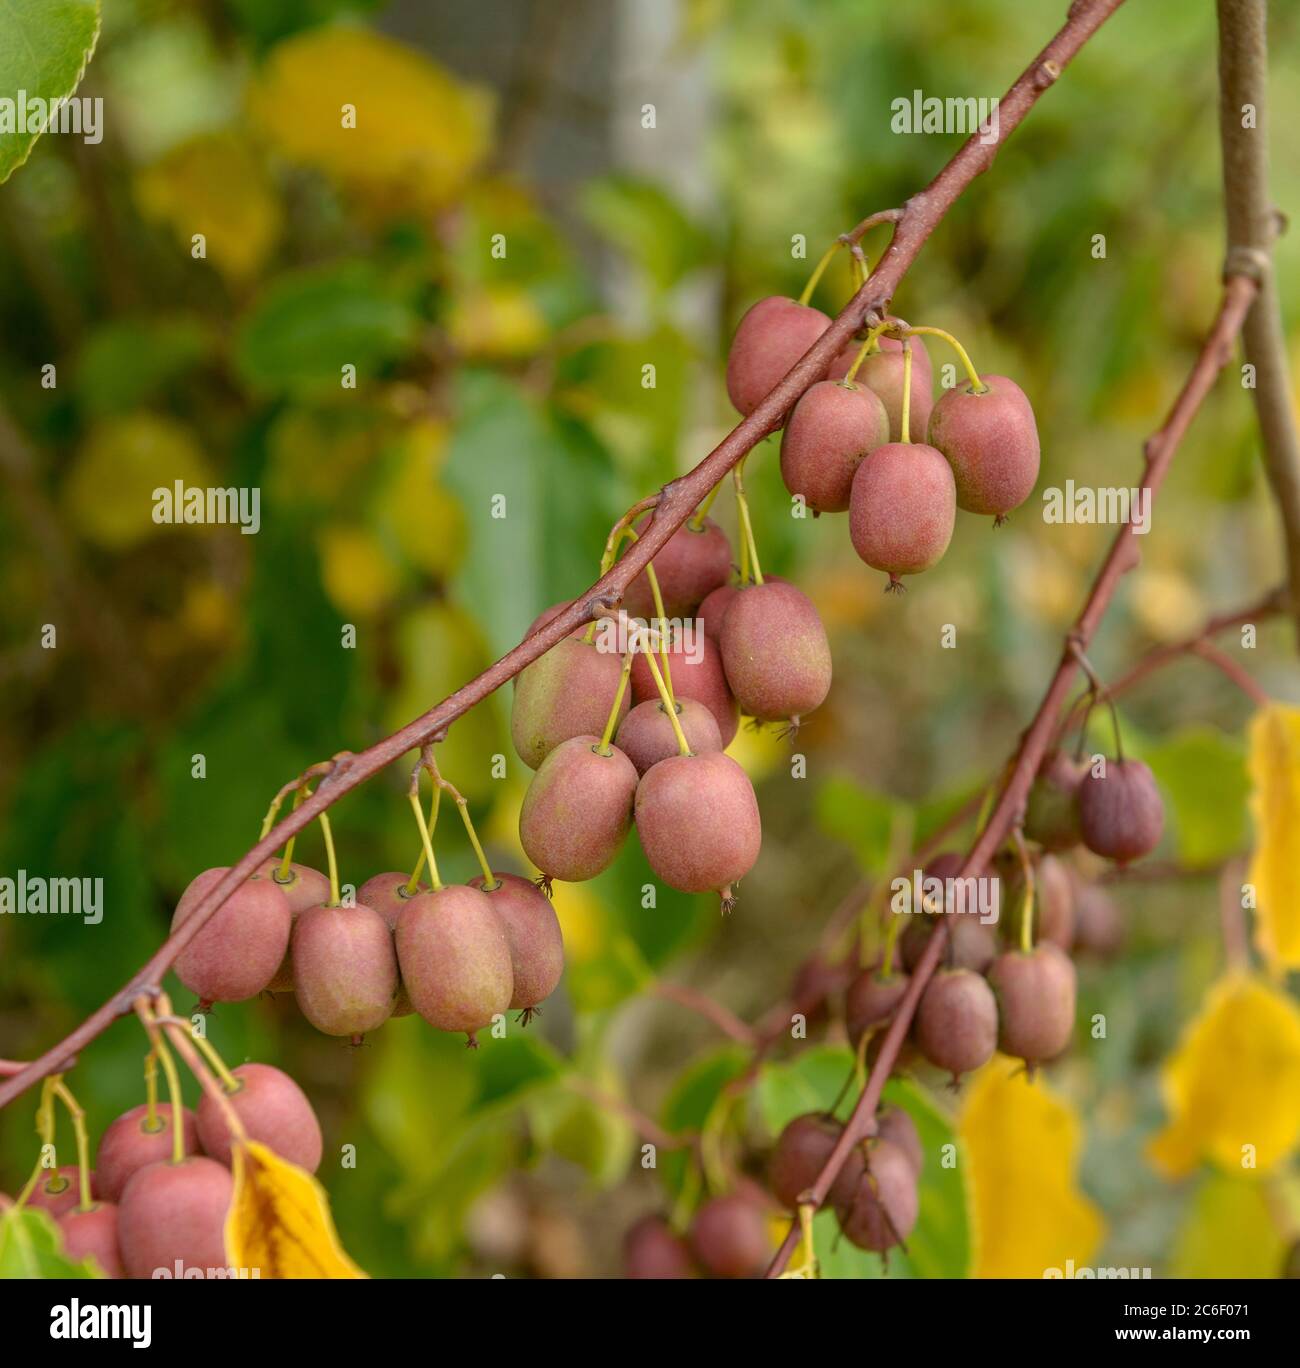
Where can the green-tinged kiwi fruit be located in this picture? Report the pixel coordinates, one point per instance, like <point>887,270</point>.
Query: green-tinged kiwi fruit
<point>775,652</point>
<point>577,810</point>
<point>1052,808</point>
<point>565,693</point>
<point>344,969</point>
<point>92,1234</point>
<point>455,958</point>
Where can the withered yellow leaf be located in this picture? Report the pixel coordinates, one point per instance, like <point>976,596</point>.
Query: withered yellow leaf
<point>1274,767</point>
<point>279,1222</point>
<point>1027,1214</point>
<point>1232,1087</point>
<point>378,117</point>
<point>214,184</point>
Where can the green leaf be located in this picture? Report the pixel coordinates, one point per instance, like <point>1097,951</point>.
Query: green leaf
<point>1229,1232</point>
<point>643,220</point>
<point>124,364</point>
<point>1202,772</point>
<point>864,821</point>
<point>811,1082</point>
<point>30,1247</point>
<point>44,48</point>
<point>306,327</point>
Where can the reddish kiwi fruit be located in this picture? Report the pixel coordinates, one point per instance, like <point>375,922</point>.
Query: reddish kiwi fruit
<point>565,693</point>
<point>1035,995</point>
<point>1098,927</point>
<point>902,509</point>
<point>729,1236</point>
<point>92,1234</point>
<point>1052,809</point>
<point>972,944</point>
<point>242,945</point>
<point>699,824</point>
<point>646,734</point>
<point>692,563</point>
<point>771,337</point>
<point>816,982</point>
<point>990,439</point>
<point>1053,900</point>
<point>896,1125</point>
<point>533,931</point>
<point>128,1144</point>
<point>1121,815</point>
<point>577,810</point>
<point>455,957</point>
<point>274,1110</point>
<point>957,1021</point>
<point>174,1214</point>
<point>652,1250</point>
<point>775,653</point>
<point>59,1190</point>
<point>344,969</point>
<point>883,1209</point>
<point>882,372</point>
<point>305,887</point>
<point>872,1001</point>
<point>387,894</point>
<point>714,608</point>
<point>801,1152</point>
<point>831,429</point>
<point>696,674</point>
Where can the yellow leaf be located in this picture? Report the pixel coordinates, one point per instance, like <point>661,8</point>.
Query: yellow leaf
<point>109,492</point>
<point>1274,767</point>
<point>1232,1087</point>
<point>378,117</point>
<point>417,515</point>
<point>215,185</point>
<point>496,323</point>
<point>1028,1215</point>
<point>358,574</point>
<point>1230,1232</point>
<point>279,1222</point>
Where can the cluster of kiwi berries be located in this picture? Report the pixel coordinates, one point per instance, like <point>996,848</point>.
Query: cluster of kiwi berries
<point>851,442</point>
<point>695,651</point>
<point>458,954</point>
<point>154,1199</point>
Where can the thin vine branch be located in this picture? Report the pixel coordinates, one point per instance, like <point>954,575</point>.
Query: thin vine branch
<point>1253,226</point>
<point>1239,293</point>
<point>919,217</point>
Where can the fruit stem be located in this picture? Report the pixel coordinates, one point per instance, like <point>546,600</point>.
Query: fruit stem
<point>45,1131</point>
<point>819,270</point>
<point>427,839</point>
<point>284,874</point>
<point>608,734</point>
<point>64,1094</point>
<point>746,525</point>
<point>905,433</point>
<point>660,617</point>
<point>1027,906</point>
<point>414,881</point>
<point>151,1122</point>
<point>712,1160</point>
<point>696,521</point>
<point>183,1035</point>
<point>328,834</point>
<point>173,1077</point>
<point>977,386</point>
<point>228,1080</point>
<point>427,761</point>
<point>669,706</point>
<point>891,939</point>
<point>867,346</point>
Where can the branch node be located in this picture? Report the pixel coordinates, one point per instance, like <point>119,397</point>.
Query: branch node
<point>1047,74</point>
<point>1252,262</point>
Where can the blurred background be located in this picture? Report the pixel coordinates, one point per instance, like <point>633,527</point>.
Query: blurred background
<point>648,165</point>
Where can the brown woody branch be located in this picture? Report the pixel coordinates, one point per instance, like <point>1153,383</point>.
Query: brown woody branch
<point>677,500</point>
<point>1238,294</point>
